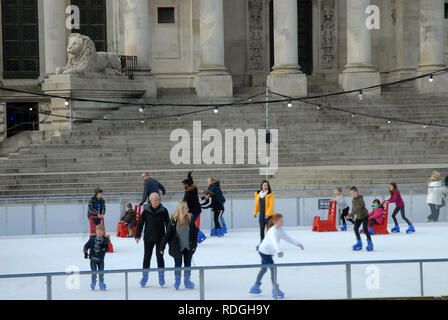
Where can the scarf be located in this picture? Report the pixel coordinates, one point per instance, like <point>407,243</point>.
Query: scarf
<point>263,194</point>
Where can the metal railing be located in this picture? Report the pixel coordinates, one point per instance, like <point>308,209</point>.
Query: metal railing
<point>126,272</point>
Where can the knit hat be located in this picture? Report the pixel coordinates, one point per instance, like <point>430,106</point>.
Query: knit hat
<point>97,190</point>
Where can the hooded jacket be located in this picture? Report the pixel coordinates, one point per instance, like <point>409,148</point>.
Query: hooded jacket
<point>129,217</point>
<point>191,196</point>
<point>216,189</point>
<point>93,207</point>
<point>155,222</point>
<point>377,214</point>
<point>269,204</point>
<point>359,208</point>
<point>172,239</point>
<point>103,246</point>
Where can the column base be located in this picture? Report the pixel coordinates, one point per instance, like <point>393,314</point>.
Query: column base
<point>293,85</point>
<point>151,82</point>
<point>357,80</point>
<point>214,85</point>
<point>438,85</point>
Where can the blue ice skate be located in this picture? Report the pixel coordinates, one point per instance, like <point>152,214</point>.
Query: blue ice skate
<point>369,245</point>
<point>357,246</point>
<point>161,279</point>
<point>280,294</point>
<point>410,229</point>
<point>344,227</point>
<point>395,229</point>
<point>201,236</point>
<point>255,289</point>
<point>93,285</point>
<point>177,282</point>
<point>102,286</point>
<point>188,284</point>
<point>144,279</point>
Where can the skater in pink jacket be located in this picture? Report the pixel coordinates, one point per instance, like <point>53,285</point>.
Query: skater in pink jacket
<point>377,214</point>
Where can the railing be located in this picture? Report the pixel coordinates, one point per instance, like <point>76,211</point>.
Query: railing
<point>348,273</point>
<point>128,65</point>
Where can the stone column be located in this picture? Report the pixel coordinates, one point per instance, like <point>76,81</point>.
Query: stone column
<point>286,77</point>
<point>55,35</point>
<point>213,80</point>
<point>359,71</point>
<point>406,27</point>
<point>432,46</point>
<point>137,40</point>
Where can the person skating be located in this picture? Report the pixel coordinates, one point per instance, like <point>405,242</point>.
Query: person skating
<point>150,186</point>
<point>269,247</point>
<point>435,196</point>
<point>182,236</point>
<point>96,207</point>
<point>342,207</point>
<point>210,200</point>
<point>376,216</point>
<point>264,206</point>
<point>359,211</point>
<point>95,249</point>
<point>214,185</point>
<point>155,219</point>
<point>395,197</point>
<point>129,219</point>
<point>191,197</point>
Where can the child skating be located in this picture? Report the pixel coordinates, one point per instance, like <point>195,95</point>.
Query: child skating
<point>95,249</point>
<point>342,207</point>
<point>376,216</point>
<point>395,197</point>
<point>269,247</point>
<point>362,217</point>
<point>210,200</point>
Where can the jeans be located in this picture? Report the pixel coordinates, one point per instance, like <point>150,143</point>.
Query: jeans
<point>187,256</point>
<point>365,228</point>
<point>435,211</point>
<point>403,215</point>
<point>265,259</point>
<point>149,246</point>
<point>97,266</point>
<point>263,225</point>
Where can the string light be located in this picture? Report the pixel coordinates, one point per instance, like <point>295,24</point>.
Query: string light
<point>178,117</point>
<point>216,110</point>
<point>431,78</point>
<point>361,95</point>
<point>67,102</point>
<point>389,122</point>
<point>141,109</point>
<point>290,104</point>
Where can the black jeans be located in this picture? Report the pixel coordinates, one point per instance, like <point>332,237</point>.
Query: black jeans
<point>435,211</point>
<point>187,255</point>
<point>403,215</point>
<point>345,213</point>
<point>97,266</point>
<point>365,228</point>
<point>265,259</point>
<point>149,246</point>
<point>263,225</point>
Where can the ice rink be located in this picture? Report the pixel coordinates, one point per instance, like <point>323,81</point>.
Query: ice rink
<point>37,254</point>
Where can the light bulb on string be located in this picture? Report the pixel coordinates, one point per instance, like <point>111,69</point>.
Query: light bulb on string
<point>431,78</point>
<point>141,109</point>
<point>353,115</point>
<point>361,95</point>
<point>318,107</point>
<point>389,122</point>
<point>290,104</point>
<point>67,102</point>
<point>178,117</point>
<point>216,111</point>
<point>142,122</point>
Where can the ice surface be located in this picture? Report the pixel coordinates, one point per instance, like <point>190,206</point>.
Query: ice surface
<point>37,254</point>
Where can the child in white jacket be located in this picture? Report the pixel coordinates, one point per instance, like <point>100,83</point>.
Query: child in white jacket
<point>269,247</point>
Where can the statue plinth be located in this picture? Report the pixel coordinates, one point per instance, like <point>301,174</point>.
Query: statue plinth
<point>112,88</point>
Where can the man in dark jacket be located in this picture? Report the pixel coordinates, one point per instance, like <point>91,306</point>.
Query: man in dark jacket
<point>155,219</point>
<point>151,186</point>
<point>97,207</point>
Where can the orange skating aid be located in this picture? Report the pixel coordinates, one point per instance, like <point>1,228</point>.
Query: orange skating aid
<point>122,230</point>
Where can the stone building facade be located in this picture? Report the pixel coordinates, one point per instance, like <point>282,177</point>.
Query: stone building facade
<point>215,46</point>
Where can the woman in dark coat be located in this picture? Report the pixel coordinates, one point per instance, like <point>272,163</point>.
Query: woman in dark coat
<point>182,236</point>
<point>191,197</point>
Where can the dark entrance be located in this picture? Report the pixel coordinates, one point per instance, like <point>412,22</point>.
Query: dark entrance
<point>21,117</point>
<point>305,34</point>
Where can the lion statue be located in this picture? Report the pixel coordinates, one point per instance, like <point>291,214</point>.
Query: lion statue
<point>82,58</point>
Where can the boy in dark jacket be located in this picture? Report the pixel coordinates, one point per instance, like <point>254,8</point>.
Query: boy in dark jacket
<point>362,217</point>
<point>95,249</point>
<point>191,197</point>
<point>129,219</point>
<point>214,185</point>
<point>155,219</point>
<point>210,200</point>
<point>97,207</point>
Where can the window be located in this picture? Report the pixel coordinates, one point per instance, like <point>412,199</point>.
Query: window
<point>165,15</point>
<point>446,10</point>
<point>20,39</point>
<point>93,21</point>
<point>21,116</point>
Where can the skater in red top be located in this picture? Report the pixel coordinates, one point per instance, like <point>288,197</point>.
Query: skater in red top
<point>395,197</point>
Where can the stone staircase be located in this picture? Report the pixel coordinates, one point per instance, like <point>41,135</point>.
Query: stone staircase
<point>312,142</point>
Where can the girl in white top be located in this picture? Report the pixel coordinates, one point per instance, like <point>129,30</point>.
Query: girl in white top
<point>269,247</point>
<point>342,207</point>
<point>435,195</point>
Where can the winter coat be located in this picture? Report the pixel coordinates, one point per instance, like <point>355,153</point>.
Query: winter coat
<point>377,214</point>
<point>213,203</point>
<point>172,239</point>
<point>216,189</point>
<point>155,222</point>
<point>191,196</point>
<point>93,207</point>
<point>359,208</point>
<point>269,212</point>
<point>397,199</point>
<point>129,217</point>
<point>435,193</point>
<point>151,186</point>
<point>104,247</point>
